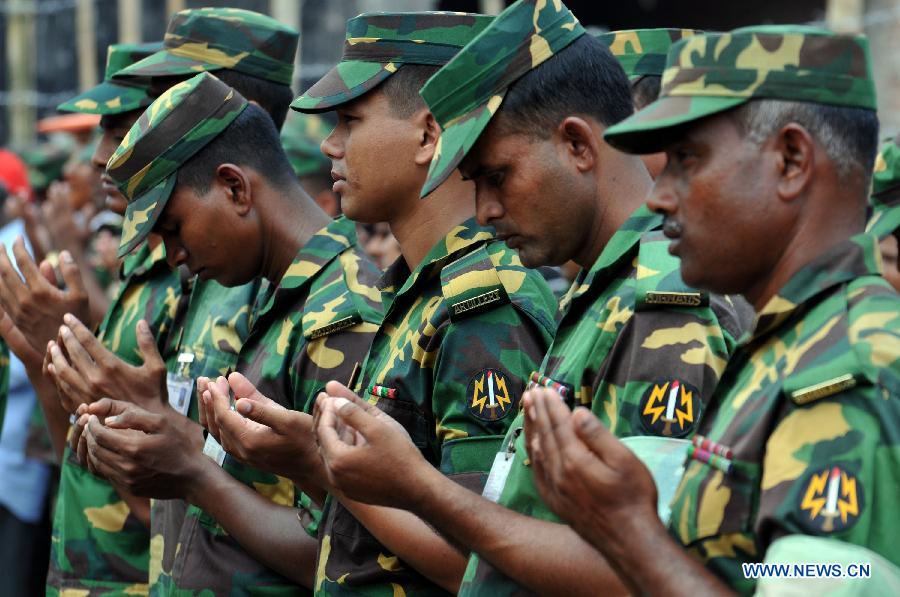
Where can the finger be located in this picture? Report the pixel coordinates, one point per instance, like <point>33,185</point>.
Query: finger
<point>147,346</point>
<point>71,274</point>
<point>227,422</point>
<point>244,388</point>
<point>106,407</point>
<point>101,460</point>
<point>595,435</point>
<point>17,342</point>
<point>91,350</point>
<point>129,416</point>
<point>63,372</point>
<point>270,414</point>
<point>352,415</point>
<point>77,429</point>
<point>211,424</point>
<point>327,437</point>
<point>26,264</point>
<point>9,282</point>
<point>49,273</point>
<point>337,389</point>
<point>79,358</point>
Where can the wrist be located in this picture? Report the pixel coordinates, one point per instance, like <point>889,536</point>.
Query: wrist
<point>201,474</point>
<point>427,487</point>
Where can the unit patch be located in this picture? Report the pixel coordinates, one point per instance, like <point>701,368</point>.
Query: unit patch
<point>670,408</point>
<point>488,395</point>
<point>831,501</point>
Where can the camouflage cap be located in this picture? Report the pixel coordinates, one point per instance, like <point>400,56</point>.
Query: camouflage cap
<point>378,43</point>
<point>885,199</point>
<point>177,125</point>
<point>643,51</point>
<point>301,137</point>
<point>710,73</point>
<point>466,93</point>
<point>116,97</point>
<point>209,39</point>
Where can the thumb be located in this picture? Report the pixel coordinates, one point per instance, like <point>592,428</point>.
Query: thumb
<point>105,407</point>
<point>244,388</point>
<point>133,417</point>
<point>353,415</point>
<point>593,433</point>
<point>270,414</point>
<point>71,274</point>
<point>147,345</point>
<point>336,389</point>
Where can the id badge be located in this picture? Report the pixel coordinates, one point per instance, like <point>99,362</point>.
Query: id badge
<point>180,389</point>
<point>497,477</point>
<point>214,450</point>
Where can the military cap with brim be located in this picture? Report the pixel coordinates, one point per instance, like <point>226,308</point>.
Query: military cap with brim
<point>885,199</point>
<point>116,97</point>
<point>210,39</point>
<point>301,137</point>
<point>178,124</point>
<point>468,91</point>
<point>714,72</point>
<point>378,43</point>
<point>643,52</point>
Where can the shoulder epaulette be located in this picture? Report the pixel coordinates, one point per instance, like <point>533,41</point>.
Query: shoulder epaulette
<point>658,281</point>
<point>335,305</point>
<point>472,285</point>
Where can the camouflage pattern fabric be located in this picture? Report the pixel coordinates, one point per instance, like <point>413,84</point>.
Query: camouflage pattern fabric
<point>98,547</point>
<point>710,73</point>
<point>301,136</point>
<point>638,347</point>
<point>466,93</point>
<point>116,97</point>
<point>211,330</point>
<point>643,52</point>
<point>210,39</point>
<point>314,326</point>
<point>805,422</point>
<point>885,199</point>
<point>178,124</point>
<point>460,335</point>
<point>377,44</point>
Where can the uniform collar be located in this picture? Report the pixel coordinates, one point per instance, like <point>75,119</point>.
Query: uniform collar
<point>850,259</point>
<point>324,246</point>
<point>397,279</point>
<point>620,247</point>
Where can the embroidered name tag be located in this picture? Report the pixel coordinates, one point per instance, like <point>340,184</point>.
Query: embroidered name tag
<point>681,299</point>
<point>334,326</point>
<point>824,389</point>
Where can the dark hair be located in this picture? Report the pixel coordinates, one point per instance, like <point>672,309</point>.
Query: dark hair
<point>584,78</point>
<point>848,135</point>
<point>274,98</point>
<point>645,90</point>
<point>251,140</point>
<point>402,88</point>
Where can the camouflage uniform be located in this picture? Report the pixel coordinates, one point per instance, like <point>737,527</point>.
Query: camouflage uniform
<point>884,203</point>
<point>461,331</point>
<point>642,52</point>
<point>635,344</point>
<point>301,137</point>
<point>312,326</point>
<point>800,438</point>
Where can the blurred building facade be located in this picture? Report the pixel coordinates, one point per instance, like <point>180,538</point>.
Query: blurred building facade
<point>51,49</point>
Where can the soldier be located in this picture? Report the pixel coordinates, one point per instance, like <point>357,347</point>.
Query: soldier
<point>224,169</point>
<point>884,204</point>
<point>764,194</point>
<point>634,341</point>
<point>465,321</point>
<point>210,321</point>
<point>642,54</point>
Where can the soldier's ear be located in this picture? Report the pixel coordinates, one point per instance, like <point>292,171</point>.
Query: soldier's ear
<point>237,185</point>
<point>430,132</point>
<point>796,155</point>
<point>580,141</point>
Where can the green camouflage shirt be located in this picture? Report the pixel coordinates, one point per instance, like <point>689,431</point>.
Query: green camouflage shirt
<point>460,335</point>
<point>211,330</point>
<point>632,339</point>
<point>802,436</point>
<point>315,326</point>
<point>98,546</point>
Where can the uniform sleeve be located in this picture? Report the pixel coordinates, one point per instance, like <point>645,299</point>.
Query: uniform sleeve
<point>482,367</point>
<point>832,468</point>
<point>662,370</point>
